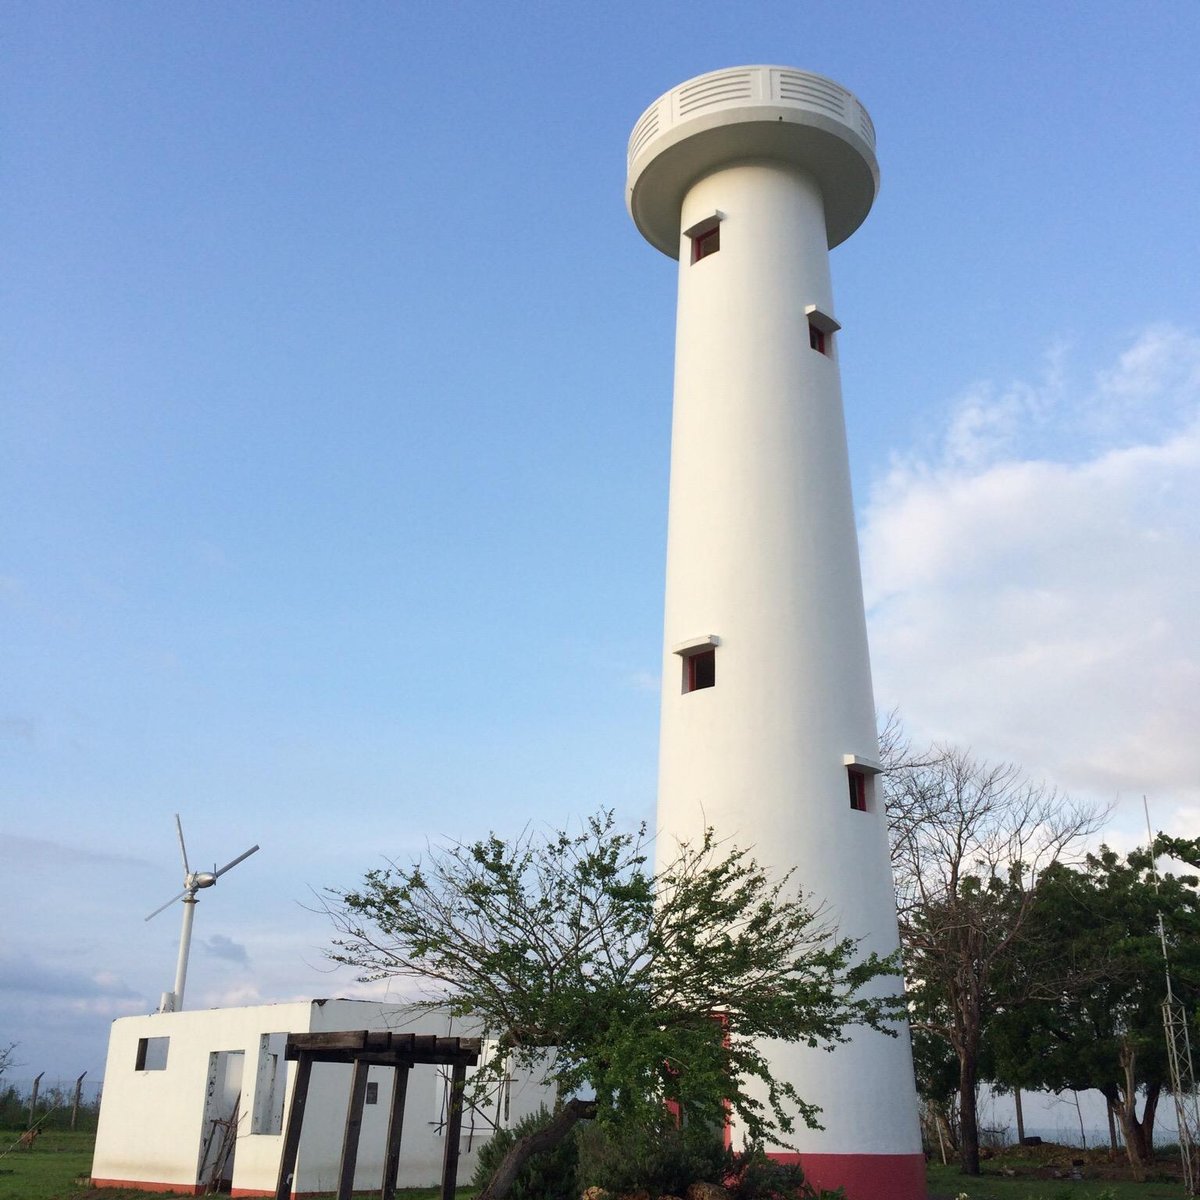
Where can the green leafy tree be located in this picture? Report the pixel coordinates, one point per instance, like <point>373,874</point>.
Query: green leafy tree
<point>650,988</point>
<point>1095,983</point>
<point>969,842</point>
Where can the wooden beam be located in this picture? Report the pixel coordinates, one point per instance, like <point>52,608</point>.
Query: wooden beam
<point>383,1047</point>
<point>345,1039</point>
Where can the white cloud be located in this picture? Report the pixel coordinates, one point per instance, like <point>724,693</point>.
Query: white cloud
<point>1033,582</point>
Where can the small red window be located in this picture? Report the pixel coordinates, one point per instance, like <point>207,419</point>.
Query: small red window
<point>858,790</point>
<point>816,338</point>
<point>700,670</point>
<point>706,243</point>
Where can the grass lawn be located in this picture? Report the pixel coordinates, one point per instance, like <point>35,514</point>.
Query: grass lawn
<point>58,1168</point>
<point>1025,1174</point>
<point>946,1181</point>
<point>49,1170</point>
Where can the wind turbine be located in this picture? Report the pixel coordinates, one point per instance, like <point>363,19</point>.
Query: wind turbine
<point>193,881</point>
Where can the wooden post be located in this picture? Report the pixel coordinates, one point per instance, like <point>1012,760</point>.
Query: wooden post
<point>391,1160</point>
<point>354,1116</point>
<point>363,1049</point>
<point>458,1078</point>
<point>37,1083</point>
<point>1020,1117</point>
<point>75,1101</point>
<point>295,1121</point>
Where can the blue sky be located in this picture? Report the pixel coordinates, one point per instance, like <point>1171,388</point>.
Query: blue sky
<point>335,390</point>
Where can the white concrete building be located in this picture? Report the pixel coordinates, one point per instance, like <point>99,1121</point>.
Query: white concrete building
<point>748,177</point>
<point>193,1097</point>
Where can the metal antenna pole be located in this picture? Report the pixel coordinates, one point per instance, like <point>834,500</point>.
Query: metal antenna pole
<point>1179,1052</point>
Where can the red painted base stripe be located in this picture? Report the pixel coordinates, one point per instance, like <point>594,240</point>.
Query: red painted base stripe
<point>865,1176</point>
<point>258,1193</point>
<point>186,1189</point>
<point>145,1185</point>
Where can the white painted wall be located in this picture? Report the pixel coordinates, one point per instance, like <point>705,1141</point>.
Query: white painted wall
<point>152,1122</point>
<point>762,552</point>
<point>762,549</point>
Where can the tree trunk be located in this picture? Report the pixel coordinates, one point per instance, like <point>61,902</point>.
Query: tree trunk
<point>538,1142</point>
<point>1146,1125</point>
<point>1135,1138</point>
<point>1138,1134</point>
<point>968,1114</point>
<point>1020,1117</point>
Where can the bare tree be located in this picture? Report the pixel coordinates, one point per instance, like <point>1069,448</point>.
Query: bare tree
<point>969,842</point>
<point>6,1057</point>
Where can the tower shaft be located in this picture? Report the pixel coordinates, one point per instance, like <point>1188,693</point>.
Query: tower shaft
<point>768,724</point>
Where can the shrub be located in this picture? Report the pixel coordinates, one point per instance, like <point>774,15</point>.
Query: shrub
<point>752,1175</point>
<point>659,1158</point>
<point>548,1176</point>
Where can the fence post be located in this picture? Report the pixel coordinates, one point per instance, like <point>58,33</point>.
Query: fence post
<point>37,1083</point>
<point>75,1101</point>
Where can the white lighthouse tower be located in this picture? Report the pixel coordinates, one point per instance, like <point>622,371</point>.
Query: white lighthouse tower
<point>748,177</point>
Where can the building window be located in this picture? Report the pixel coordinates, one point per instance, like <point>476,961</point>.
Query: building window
<point>821,328</point>
<point>705,236</point>
<point>699,670</point>
<point>704,244</point>
<point>699,655</point>
<point>152,1054</point>
<point>372,1092</point>
<point>860,775</point>
<point>858,789</point>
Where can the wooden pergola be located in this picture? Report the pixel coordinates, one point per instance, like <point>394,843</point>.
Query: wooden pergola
<point>363,1049</point>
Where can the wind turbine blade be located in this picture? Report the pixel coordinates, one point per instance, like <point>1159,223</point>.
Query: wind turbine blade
<point>182,848</point>
<point>168,904</point>
<point>230,865</point>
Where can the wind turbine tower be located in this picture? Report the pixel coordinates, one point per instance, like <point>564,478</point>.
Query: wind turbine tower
<point>748,177</point>
<point>193,881</point>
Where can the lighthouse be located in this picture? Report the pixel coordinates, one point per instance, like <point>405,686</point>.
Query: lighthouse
<point>749,176</point>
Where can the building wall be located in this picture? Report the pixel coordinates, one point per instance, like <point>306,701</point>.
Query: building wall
<point>154,1119</point>
<point>151,1121</point>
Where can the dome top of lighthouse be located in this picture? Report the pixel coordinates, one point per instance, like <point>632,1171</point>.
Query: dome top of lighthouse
<point>745,113</point>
